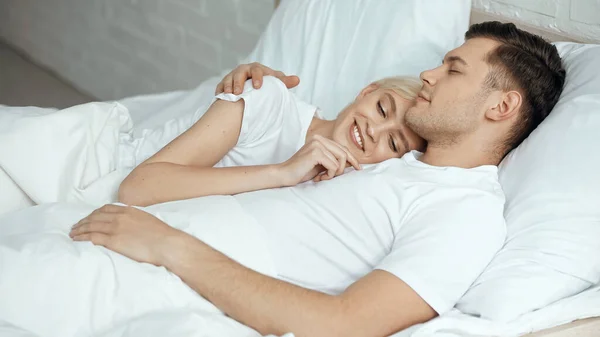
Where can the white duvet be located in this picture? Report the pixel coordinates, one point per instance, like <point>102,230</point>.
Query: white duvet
<point>52,286</point>
<point>79,154</point>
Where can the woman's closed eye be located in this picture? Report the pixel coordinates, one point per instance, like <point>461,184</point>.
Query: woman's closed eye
<point>381,111</point>
<point>393,145</point>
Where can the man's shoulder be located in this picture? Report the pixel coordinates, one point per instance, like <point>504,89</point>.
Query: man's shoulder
<point>445,197</point>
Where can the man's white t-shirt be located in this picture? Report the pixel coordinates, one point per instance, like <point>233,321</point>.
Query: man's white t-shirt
<point>274,127</point>
<point>435,228</point>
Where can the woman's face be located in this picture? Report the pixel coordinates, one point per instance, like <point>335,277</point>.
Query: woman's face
<point>373,128</point>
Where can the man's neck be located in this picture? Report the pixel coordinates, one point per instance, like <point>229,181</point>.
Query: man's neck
<point>463,155</point>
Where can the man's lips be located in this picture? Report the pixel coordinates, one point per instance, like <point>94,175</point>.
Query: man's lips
<point>423,97</point>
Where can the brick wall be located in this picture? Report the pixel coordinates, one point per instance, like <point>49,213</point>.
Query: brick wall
<point>116,48</point>
<point>577,19</point>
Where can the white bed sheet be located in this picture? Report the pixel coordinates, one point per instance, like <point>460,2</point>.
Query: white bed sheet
<point>456,324</point>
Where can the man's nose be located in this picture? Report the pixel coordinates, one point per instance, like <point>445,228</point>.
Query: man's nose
<point>429,77</point>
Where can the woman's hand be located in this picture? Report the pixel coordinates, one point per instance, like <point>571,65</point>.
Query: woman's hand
<point>234,81</point>
<point>319,159</point>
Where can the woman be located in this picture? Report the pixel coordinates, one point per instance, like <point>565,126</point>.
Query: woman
<point>268,138</point>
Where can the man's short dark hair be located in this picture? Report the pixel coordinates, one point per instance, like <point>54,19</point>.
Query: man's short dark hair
<point>525,62</point>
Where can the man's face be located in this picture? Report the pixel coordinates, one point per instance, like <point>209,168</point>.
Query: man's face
<point>452,103</point>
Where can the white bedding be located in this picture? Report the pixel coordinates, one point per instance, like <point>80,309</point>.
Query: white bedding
<point>53,286</point>
<point>81,154</point>
<point>457,324</point>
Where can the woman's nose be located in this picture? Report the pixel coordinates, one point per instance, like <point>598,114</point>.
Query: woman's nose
<point>372,133</point>
<point>376,130</point>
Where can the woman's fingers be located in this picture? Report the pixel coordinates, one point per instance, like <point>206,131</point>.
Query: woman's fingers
<point>328,161</point>
<point>342,153</point>
<point>335,155</point>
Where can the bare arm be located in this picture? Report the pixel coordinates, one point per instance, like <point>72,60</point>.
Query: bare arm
<point>379,304</point>
<point>184,168</point>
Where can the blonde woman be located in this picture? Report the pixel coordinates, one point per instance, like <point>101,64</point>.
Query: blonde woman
<point>268,138</point>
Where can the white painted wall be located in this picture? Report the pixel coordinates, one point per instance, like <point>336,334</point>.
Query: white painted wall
<point>578,19</point>
<point>116,48</point>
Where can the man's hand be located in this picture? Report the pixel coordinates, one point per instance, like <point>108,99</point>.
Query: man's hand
<point>234,81</point>
<point>127,231</point>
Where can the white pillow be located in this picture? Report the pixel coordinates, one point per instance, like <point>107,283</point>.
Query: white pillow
<point>552,186</point>
<point>337,47</point>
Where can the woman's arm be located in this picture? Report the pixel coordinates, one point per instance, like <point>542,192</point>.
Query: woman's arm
<point>184,169</point>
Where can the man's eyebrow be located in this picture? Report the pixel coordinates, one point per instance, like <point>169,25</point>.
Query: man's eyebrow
<point>400,132</point>
<point>458,59</point>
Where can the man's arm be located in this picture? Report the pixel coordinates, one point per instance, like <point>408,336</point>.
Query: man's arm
<point>379,304</point>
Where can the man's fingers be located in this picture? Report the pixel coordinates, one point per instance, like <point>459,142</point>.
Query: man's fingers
<point>228,84</point>
<point>219,88</point>
<point>92,227</point>
<point>290,81</point>
<point>257,76</point>
<point>95,238</point>
<point>239,78</point>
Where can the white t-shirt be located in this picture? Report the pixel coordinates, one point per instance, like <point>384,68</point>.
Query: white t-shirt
<point>436,228</point>
<point>274,127</point>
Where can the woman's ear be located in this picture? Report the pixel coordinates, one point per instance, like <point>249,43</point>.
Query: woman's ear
<point>508,106</point>
<point>367,90</point>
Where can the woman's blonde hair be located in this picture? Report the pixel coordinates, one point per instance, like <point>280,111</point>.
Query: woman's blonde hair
<point>407,87</point>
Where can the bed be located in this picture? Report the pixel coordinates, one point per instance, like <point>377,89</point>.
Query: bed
<point>573,312</point>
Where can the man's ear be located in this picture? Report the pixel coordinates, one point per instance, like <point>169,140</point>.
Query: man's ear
<point>507,106</point>
<point>367,90</point>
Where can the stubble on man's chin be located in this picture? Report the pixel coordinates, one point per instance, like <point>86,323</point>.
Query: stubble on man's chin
<point>432,127</point>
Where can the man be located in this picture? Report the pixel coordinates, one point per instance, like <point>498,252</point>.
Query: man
<point>434,220</point>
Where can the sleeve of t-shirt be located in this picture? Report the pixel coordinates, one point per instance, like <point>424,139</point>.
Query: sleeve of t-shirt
<point>263,109</point>
<point>445,243</point>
